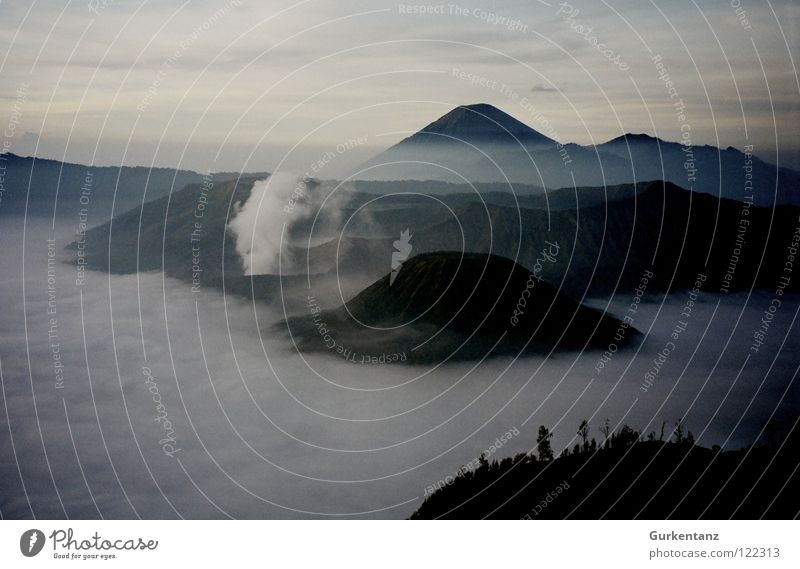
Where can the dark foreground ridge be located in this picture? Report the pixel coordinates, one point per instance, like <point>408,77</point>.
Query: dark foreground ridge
<point>628,477</point>
<point>453,306</point>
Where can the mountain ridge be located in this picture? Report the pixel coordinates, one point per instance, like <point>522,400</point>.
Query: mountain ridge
<point>468,144</point>
<point>43,187</point>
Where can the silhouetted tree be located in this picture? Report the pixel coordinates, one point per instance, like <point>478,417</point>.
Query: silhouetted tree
<point>583,433</point>
<point>520,457</point>
<point>625,437</point>
<point>606,431</point>
<point>543,444</point>
<point>678,433</point>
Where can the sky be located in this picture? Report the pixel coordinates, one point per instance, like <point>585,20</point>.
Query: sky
<point>253,86</point>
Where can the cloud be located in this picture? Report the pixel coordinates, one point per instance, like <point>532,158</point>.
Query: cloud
<point>265,434</point>
<point>541,88</point>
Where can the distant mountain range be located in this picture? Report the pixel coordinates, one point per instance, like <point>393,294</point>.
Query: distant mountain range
<point>608,237</point>
<point>480,143</point>
<point>45,188</point>
<point>473,148</point>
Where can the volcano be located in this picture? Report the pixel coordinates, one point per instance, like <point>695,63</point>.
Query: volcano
<point>477,124</point>
<point>480,143</point>
<point>448,306</point>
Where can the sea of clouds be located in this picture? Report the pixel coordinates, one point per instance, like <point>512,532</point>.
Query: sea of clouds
<point>180,404</point>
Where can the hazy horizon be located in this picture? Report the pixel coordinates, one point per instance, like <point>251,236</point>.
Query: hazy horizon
<point>238,86</point>
<point>344,167</point>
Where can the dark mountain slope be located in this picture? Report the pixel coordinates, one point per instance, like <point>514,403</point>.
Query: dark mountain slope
<point>66,188</point>
<point>607,238</point>
<point>616,233</point>
<point>162,237</point>
<point>675,233</point>
<point>648,480</point>
<point>448,306</point>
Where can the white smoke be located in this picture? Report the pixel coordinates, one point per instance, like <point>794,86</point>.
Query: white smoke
<point>259,222</point>
<point>263,222</point>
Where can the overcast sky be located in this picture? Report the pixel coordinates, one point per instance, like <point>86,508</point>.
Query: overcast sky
<point>243,85</point>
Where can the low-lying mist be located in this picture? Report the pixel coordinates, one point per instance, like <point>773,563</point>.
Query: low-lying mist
<point>132,396</point>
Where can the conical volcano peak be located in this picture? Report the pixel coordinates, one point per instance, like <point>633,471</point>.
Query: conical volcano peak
<point>482,122</point>
<point>476,142</point>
